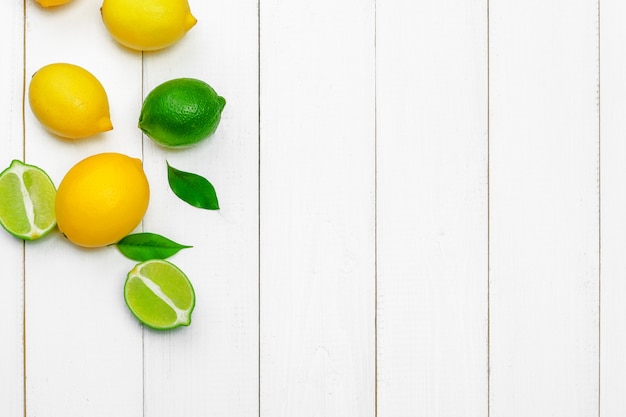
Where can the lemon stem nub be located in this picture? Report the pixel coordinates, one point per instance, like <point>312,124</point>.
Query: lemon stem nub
<point>105,124</point>
<point>147,25</point>
<point>190,21</point>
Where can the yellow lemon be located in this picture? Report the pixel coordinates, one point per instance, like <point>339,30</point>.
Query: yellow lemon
<point>101,199</point>
<point>50,3</point>
<point>147,25</point>
<point>69,101</point>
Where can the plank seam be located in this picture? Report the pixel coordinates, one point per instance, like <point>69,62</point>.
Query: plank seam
<point>23,243</point>
<point>258,14</point>
<point>488,217</point>
<point>375,212</point>
<point>599,216</point>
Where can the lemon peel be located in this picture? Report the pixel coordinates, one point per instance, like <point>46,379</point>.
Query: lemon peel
<point>147,25</point>
<point>101,199</point>
<point>52,3</point>
<point>69,101</point>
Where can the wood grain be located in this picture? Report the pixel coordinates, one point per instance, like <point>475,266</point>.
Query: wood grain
<point>544,209</point>
<point>317,208</point>
<point>432,208</point>
<point>12,250</point>
<point>613,205</point>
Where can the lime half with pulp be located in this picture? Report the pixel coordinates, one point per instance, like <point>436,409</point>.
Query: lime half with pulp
<point>159,295</point>
<point>27,197</point>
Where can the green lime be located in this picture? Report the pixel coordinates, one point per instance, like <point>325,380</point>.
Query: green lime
<point>159,295</point>
<point>181,112</point>
<point>26,201</point>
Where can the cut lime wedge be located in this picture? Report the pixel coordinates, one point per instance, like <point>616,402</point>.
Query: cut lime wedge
<point>159,295</point>
<point>26,201</point>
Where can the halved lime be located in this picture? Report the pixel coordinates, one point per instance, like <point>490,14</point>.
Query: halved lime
<point>159,294</point>
<point>26,201</point>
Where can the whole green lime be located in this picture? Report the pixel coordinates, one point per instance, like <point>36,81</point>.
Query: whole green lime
<point>181,112</point>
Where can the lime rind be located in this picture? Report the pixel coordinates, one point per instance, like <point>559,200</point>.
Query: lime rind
<point>29,213</point>
<point>181,112</point>
<point>162,301</point>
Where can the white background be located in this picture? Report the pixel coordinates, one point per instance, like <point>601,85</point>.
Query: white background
<point>423,213</point>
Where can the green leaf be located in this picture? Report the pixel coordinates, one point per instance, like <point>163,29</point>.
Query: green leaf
<point>192,188</point>
<point>146,246</point>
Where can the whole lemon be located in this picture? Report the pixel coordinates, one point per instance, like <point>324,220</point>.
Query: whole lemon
<point>50,3</point>
<point>69,101</point>
<point>147,25</point>
<point>101,199</point>
<point>181,112</point>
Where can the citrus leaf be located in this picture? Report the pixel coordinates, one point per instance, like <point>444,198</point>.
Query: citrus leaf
<point>192,188</point>
<point>146,246</point>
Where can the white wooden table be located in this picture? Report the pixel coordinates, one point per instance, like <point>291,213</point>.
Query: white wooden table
<point>423,213</point>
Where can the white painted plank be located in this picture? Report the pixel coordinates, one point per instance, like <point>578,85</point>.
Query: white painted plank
<point>211,367</point>
<point>432,208</point>
<point>544,208</point>
<point>83,348</point>
<point>613,205</point>
<point>11,249</point>
<point>317,208</point>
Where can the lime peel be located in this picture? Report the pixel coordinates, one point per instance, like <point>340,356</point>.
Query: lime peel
<point>181,112</point>
<point>69,101</point>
